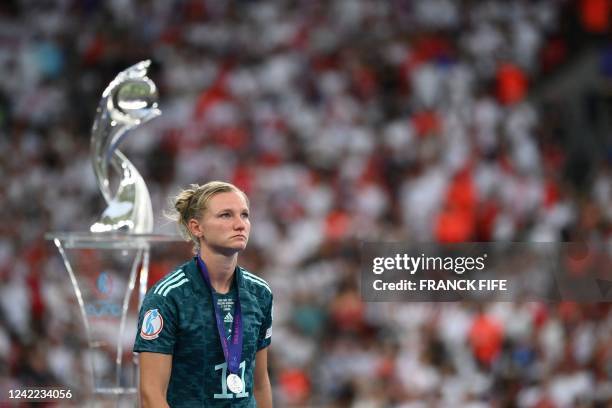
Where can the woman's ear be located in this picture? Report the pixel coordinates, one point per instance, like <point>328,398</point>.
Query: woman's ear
<point>195,228</point>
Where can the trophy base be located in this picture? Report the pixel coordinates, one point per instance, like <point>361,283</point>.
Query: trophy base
<point>104,269</point>
<point>116,391</point>
<point>111,240</point>
<point>119,399</point>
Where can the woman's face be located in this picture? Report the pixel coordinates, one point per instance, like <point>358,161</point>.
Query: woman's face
<point>225,225</point>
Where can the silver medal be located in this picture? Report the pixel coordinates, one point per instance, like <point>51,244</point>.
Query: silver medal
<point>234,383</point>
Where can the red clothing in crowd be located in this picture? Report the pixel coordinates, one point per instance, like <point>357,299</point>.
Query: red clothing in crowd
<point>595,15</point>
<point>486,335</point>
<point>511,84</point>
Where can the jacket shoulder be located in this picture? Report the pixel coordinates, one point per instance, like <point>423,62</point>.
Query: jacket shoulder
<point>256,285</point>
<point>177,281</point>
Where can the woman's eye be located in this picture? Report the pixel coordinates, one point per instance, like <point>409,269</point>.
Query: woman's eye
<point>225,215</point>
<point>245,215</point>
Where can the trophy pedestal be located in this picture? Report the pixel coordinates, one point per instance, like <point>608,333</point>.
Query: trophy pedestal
<point>104,270</point>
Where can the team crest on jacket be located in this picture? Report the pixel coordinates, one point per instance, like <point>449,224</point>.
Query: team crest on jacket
<point>152,325</point>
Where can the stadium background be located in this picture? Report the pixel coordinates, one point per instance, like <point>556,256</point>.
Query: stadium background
<point>422,121</point>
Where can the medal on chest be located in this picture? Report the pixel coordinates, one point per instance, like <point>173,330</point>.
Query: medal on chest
<point>232,348</point>
<point>234,383</point>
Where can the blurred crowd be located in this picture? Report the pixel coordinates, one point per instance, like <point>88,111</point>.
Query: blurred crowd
<point>343,121</point>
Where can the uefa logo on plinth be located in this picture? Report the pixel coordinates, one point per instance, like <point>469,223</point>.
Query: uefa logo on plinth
<point>104,285</point>
<point>107,262</point>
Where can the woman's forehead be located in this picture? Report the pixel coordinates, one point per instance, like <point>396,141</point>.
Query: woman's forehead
<point>230,200</point>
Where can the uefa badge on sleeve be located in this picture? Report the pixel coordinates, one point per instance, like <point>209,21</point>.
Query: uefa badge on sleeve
<point>152,325</point>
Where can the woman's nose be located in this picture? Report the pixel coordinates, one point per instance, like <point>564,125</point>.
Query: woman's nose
<point>239,223</point>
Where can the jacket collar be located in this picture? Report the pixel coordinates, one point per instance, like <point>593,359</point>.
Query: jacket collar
<point>198,279</point>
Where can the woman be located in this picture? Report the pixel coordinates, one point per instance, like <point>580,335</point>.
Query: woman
<point>204,328</point>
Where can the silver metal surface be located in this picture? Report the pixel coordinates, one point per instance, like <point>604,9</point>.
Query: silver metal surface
<point>114,240</point>
<point>130,100</point>
<point>125,306</point>
<point>79,296</point>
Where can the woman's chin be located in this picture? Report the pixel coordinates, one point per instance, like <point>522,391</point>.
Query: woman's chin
<point>231,249</point>
<point>241,247</point>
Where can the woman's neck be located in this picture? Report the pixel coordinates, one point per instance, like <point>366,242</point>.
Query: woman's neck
<point>220,269</point>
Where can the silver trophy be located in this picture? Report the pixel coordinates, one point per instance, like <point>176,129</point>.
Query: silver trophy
<point>128,101</point>
<point>105,263</point>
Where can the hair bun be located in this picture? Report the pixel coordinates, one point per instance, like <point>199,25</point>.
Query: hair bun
<point>183,202</point>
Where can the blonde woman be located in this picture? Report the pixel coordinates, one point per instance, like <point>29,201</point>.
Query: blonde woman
<point>205,327</point>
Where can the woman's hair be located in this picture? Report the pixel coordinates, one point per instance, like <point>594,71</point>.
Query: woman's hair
<point>191,203</point>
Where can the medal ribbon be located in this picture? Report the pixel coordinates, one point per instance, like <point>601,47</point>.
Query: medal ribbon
<point>231,350</point>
